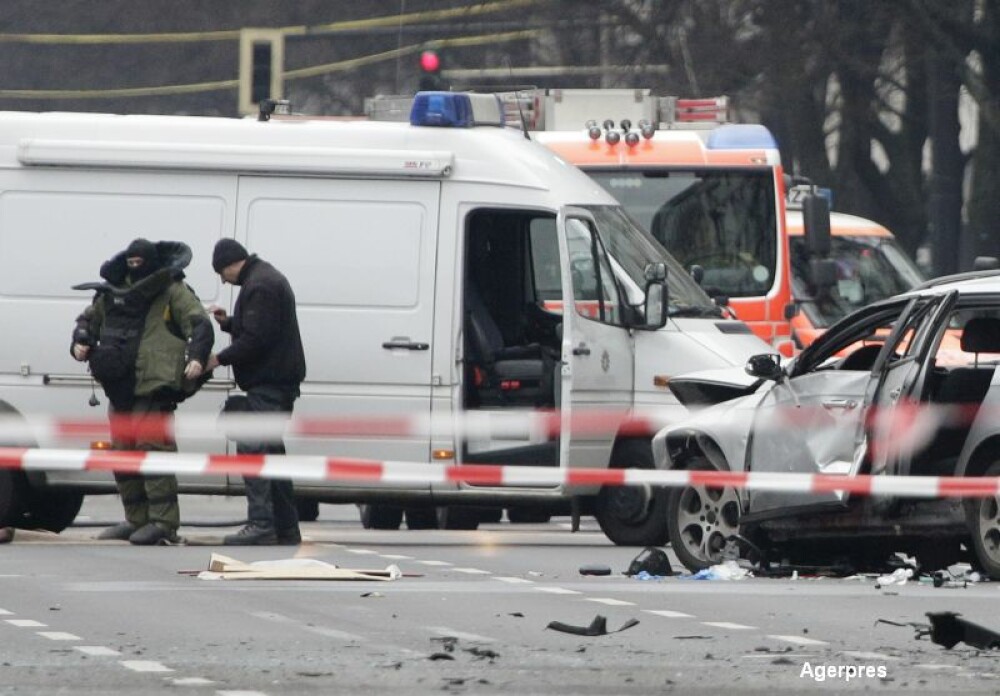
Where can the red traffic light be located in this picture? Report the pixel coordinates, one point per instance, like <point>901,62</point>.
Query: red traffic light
<point>430,62</point>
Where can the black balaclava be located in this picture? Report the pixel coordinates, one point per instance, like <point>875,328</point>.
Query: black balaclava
<point>146,250</point>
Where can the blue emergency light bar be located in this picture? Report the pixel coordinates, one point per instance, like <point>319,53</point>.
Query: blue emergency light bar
<point>456,110</point>
<point>743,136</point>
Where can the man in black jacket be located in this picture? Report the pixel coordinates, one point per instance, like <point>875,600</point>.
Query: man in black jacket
<point>269,365</point>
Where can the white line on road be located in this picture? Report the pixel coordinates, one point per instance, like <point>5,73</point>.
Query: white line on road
<point>556,590</point>
<point>363,552</point>
<point>610,602</point>
<point>96,650</point>
<point>515,581</point>
<point>191,681</point>
<point>435,563</point>
<point>862,655</point>
<point>729,625</point>
<point>58,635</point>
<point>472,571</point>
<point>799,640</point>
<point>25,623</point>
<point>4,612</point>
<point>240,693</point>
<point>462,635</point>
<point>396,556</point>
<point>145,666</point>
<point>669,614</point>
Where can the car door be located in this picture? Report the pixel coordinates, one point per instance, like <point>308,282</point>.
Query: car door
<point>895,430</point>
<point>809,422</point>
<point>597,352</point>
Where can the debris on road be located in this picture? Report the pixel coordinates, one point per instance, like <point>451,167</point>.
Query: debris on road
<point>595,569</point>
<point>948,629</point>
<point>900,576</point>
<point>597,627</point>
<point>727,570</point>
<point>651,560</point>
<point>225,568</point>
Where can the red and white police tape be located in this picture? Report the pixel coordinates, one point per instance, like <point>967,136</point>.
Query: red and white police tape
<point>314,468</point>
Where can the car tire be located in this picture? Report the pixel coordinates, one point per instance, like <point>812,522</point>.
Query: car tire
<point>52,509</point>
<point>701,519</point>
<point>308,510</point>
<point>982,516</point>
<point>375,516</point>
<point>633,515</point>
<point>490,515</point>
<point>457,517</point>
<point>421,518</point>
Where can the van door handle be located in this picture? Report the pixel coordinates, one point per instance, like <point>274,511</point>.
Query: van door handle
<point>581,349</point>
<point>405,345</point>
<point>846,404</point>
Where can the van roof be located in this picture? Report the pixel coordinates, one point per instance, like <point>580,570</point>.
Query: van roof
<point>666,148</point>
<point>841,225</point>
<point>294,147</point>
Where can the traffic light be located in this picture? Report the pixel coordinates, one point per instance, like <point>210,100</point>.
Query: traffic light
<point>262,64</point>
<point>430,73</point>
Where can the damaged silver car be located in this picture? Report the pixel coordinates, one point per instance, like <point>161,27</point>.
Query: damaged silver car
<point>908,387</point>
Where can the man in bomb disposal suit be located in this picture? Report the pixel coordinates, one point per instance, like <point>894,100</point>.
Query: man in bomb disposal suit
<point>147,339</point>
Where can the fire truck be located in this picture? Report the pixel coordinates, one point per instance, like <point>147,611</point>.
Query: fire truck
<point>714,194</point>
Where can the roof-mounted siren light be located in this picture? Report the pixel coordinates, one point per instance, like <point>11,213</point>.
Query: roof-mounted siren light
<point>593,130</point>
<point>626,125</point>
<point>608,124</point>
<point>456,110</point>
<point>646,129</point>
<point>612,137</point>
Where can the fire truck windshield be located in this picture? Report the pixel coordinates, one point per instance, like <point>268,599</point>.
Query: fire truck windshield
<point>723,220</point>
<point>869,268</point>
<point>631,249</point>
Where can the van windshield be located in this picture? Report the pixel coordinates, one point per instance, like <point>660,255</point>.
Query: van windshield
<point>869,269</point>
<point>631,249</point>
<point>723,220</point>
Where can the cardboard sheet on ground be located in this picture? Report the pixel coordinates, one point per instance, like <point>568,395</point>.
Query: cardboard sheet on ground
<point>225,568</point>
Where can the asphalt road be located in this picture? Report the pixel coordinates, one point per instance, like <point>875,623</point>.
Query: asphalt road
<point>80,616</point>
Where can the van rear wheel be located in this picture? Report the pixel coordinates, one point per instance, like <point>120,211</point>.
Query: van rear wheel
<point>13,491</point>
<point>53,509</point>
<point>375,516</point>
<point>457,517</point>
<point>983,518</point>
<point>421,518</point>
<point>633,515</point>
<point>308,510</point>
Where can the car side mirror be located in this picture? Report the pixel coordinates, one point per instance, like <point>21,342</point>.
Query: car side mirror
<point>766,366</point>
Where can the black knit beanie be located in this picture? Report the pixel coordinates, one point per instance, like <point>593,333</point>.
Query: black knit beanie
<point>227,251</point>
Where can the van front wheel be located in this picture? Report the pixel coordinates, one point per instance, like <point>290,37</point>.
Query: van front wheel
<point>374,516</point>
<point>53,509</point>
<point>13,490</point>
<point>633,515</point>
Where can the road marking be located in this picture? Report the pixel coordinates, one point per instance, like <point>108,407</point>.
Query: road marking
<point>240,693</point>
<point>4,612</point>
<point>556,590</point>
<point>444,631</point>
<point>862,655</point>
<point>58,635</point>
<point>321,630</point>
<point>96,650</point>
<point>610,602</point>
<point>472,571</point>
<point>729,625</point>
<point>397,556</point>
<point>435,563</point>
<point>515,581</point>
<point>669,614</point>
<point>363,552</point>
<point>799,640</point>
<point>191,681</point>
<point>145,666</point>
<point>26,623</point>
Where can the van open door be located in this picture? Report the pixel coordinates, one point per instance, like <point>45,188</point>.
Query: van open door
<point>597,367</point>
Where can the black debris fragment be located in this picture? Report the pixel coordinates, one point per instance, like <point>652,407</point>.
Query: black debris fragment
<point>597,627</point>
<point>595,569</point>
<point>948,629</point>
<point>440,656</point>
<point>447,642</point>
<point>652,560</point>
<point>483,653</point>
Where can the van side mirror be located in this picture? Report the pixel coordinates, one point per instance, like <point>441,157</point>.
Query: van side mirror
<point>766,366</point>
<point>816,221</point>
<point>656,296</point>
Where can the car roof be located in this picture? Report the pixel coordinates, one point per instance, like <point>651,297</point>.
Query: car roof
<point>973,281</point>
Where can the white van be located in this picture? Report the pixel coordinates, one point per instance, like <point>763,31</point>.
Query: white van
<point>430,261</point>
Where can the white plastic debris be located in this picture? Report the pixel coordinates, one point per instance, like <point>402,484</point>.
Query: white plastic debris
<point>897,577</point>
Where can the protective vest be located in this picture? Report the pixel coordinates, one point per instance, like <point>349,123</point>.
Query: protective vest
<point>113,359</point>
